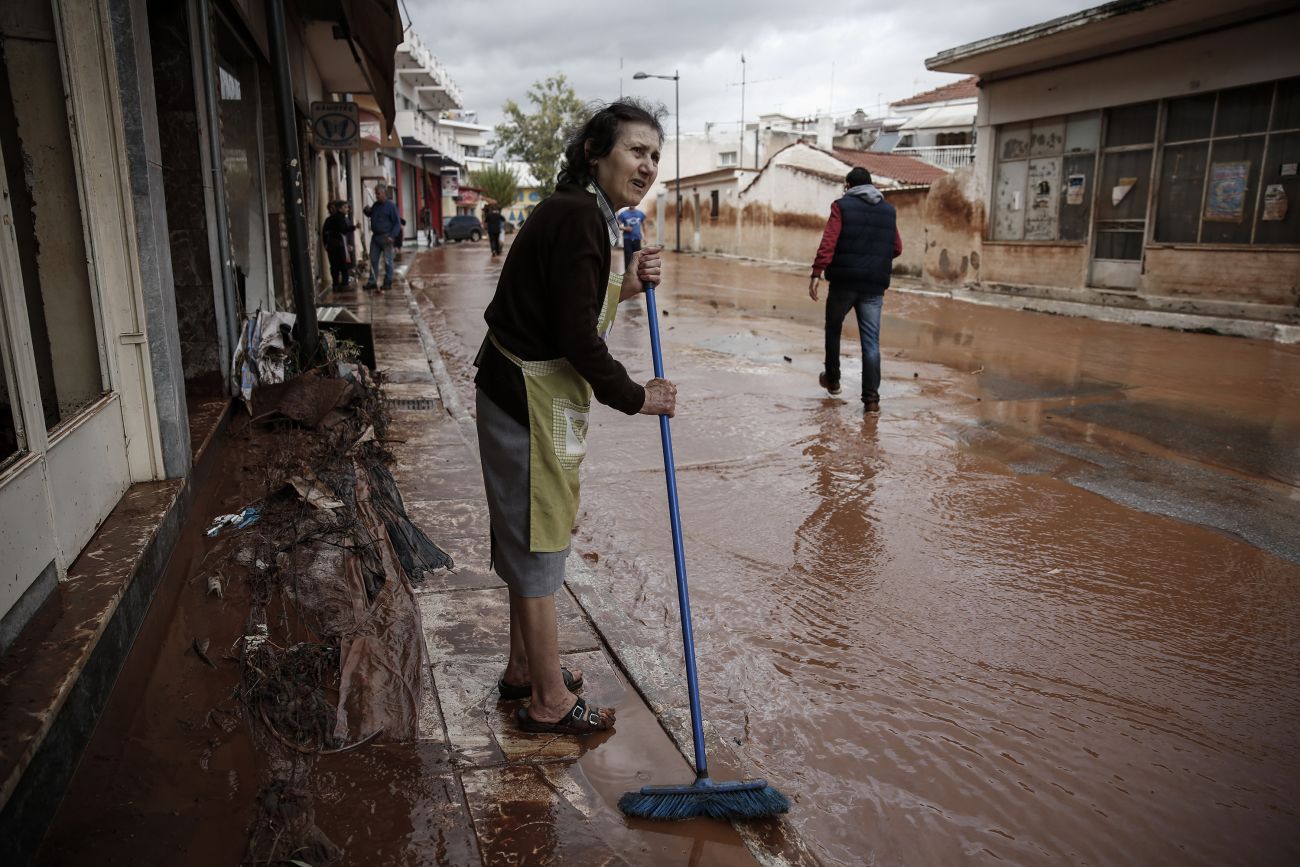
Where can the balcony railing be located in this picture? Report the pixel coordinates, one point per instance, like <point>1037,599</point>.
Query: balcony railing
<point>948,157</point>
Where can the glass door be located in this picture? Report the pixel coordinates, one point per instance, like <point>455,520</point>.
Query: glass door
<point>1123,196</point>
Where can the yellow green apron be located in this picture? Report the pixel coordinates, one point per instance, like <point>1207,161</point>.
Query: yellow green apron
<point>559,405</point>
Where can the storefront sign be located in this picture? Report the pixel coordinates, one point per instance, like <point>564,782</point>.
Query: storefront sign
<point>450,185</point>
<point>335,125</point>
<point>1226,200</point>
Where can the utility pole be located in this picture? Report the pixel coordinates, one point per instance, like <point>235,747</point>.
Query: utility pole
<point>740,158</point>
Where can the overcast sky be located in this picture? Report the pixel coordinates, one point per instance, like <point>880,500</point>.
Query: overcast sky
<point>495,50</point>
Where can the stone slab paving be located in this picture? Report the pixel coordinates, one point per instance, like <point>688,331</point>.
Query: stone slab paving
<point>534,799</point>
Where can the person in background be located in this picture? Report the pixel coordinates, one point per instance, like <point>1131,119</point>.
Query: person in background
<point>336,234</point>
<point>495,224</point>
<point>630,222</point>
<point>857,255</point>
<point>385,229</point>
<point>542,361</point>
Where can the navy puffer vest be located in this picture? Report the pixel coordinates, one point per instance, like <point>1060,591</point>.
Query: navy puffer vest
<point>864,254</point>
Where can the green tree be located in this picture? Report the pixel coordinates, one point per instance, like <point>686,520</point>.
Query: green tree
<point>538,138</point>
<point>499,182</point>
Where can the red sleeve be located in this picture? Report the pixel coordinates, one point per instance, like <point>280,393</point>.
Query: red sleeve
<point>830,237</point>
<point>898,243</point>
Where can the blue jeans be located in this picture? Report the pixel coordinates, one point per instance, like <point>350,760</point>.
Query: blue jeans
<point>379,249</point>
<point>838,304</point>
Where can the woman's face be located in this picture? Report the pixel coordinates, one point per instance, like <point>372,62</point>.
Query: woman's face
<point>626,172</point>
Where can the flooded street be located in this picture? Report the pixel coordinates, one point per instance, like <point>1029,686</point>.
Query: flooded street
<point>1045,607</point>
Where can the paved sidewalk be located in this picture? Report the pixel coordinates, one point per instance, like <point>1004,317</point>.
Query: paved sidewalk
<point>532,799</point>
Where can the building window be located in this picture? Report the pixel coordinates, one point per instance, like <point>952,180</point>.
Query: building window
<point>713,204</point>
<point>1212,168</point>
<point>1042,189</point>
<point>1228,167</point>
<point>727,159</point>
<point>534,196</point>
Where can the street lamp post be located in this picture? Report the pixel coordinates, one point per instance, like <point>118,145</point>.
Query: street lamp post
<point>675,78</point>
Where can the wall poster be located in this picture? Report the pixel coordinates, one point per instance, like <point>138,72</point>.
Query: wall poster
<point>1075,187</point>
<point>1225,202</point>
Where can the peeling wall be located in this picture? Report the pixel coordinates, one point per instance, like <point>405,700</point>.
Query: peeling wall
<point>953,225</point>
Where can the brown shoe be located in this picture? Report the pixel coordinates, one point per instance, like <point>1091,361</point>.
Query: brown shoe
<point>870,406</point>
<point>832,386</point>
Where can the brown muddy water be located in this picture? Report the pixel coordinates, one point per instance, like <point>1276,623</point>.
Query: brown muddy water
<point>1008,620</point>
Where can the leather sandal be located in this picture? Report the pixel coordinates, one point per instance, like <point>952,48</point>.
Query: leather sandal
<point>582,719</point>
<point>516,691</point>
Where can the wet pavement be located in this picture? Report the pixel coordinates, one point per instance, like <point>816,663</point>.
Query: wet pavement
<point>162,782</point>
<point>1043,608</point>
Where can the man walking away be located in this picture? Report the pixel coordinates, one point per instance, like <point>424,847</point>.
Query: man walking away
<point>385,227</point>
<point>630,221</point>
<point>857,252</point>
<point>495,223</point>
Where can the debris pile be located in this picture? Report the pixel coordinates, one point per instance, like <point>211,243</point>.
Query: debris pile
<point>331,652</point>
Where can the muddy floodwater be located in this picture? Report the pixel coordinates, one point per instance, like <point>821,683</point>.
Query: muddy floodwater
<point>1044,608</point>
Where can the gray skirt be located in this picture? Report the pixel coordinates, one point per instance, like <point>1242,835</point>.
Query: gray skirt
<point>503,448</point>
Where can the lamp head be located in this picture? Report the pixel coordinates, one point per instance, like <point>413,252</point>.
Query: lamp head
<point>640,75</point>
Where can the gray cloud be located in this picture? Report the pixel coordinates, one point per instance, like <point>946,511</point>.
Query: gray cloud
<point>496,50</point>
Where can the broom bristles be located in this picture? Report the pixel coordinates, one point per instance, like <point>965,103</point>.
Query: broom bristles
<point>750,800</point>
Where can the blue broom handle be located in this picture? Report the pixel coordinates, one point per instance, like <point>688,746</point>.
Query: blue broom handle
<point>679,556</point>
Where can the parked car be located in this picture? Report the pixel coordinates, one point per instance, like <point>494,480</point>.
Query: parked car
<point>463,226</point>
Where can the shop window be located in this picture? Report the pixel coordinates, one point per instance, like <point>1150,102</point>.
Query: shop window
<point>1131,125</point>
<point>1043,185</point>
<point>1228,168</point>
<point>44,195</point>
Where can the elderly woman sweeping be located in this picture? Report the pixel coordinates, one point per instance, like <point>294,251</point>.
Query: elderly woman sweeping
<point>542,360</point>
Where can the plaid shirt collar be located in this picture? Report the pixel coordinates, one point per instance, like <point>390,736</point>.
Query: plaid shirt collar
<point>611,221</point>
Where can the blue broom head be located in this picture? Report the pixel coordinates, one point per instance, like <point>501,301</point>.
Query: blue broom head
<point>752,799</point>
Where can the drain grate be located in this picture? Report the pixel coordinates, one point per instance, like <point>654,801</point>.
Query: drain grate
<point>416,403</point>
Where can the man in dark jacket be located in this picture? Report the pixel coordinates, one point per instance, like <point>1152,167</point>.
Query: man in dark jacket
<point>857,252</point>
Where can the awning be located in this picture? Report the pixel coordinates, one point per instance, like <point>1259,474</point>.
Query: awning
<point>944,117</point>
<point>375,131</point>
<point>376,28</point>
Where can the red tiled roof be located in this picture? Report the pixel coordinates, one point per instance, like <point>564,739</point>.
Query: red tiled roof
<point>904,169</point>
<point>963,89</point>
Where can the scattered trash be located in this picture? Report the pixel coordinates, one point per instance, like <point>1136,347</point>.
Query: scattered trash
<point>977,372</point>
<point>788,358</point>
<point>262,351</point>
<point>315,491</point>
<point>915,375</point>
<point>200,646</point>
<point>214,586</point>
<point>239,520</point>
<point>664,312</point>
<point>1053,571</point>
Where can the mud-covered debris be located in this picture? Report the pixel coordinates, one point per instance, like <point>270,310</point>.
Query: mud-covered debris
<point>315,491</point>
<point>215,586</point>
<point>415,551</point>
<point>200,646</point>
<point>306,399</point>
<point>788,359</point>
